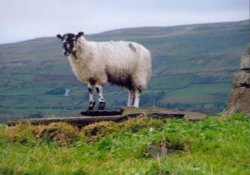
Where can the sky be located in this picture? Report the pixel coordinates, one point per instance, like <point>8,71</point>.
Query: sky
<point>28,19</point>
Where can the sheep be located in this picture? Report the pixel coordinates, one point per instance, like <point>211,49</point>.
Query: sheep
<point>126,64</point>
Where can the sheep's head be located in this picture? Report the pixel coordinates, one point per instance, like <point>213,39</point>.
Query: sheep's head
<point>69,42</point>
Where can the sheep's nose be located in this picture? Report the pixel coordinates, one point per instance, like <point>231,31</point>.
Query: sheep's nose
<point>65,52</point>
<point>66,45</point>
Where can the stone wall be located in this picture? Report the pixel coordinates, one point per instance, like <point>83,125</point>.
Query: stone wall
<point>239,99</point>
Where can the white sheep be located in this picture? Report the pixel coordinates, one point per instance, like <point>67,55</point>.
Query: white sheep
<point>126,64</point>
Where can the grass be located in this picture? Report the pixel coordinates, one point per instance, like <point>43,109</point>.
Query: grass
<point>200,93</point>
<point>171,82</point>
<point>216,145</point>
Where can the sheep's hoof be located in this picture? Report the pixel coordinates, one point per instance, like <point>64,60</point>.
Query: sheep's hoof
<point>101,106</point>
<point>91,106</point>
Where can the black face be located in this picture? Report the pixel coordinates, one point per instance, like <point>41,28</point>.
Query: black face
<point>69,41</point>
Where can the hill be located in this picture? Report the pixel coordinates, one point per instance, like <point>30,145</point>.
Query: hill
<point>192,69</point>
<point>215,145</point>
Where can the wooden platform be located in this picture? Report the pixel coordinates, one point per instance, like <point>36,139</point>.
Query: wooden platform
<point>116,116</point>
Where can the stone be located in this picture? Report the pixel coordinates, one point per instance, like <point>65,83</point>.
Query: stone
<point>157,151</point>
<point>241,79</point>
<point>115,116</point>
<point>153,112</point>
<point>245,62</point>
<point>239,101</point>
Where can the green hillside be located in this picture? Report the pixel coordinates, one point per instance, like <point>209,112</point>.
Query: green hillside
<point>192,69</point>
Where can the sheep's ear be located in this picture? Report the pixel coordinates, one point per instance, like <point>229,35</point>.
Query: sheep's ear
<point>59,36</point>
<point>79,35</point>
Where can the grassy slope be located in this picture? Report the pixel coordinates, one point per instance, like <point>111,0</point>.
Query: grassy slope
<point>185,59</point>
<point>216,145</point>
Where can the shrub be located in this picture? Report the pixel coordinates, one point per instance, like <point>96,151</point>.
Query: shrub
<point>95,131</point>
<point>61,133</point>
<point>21,133</point>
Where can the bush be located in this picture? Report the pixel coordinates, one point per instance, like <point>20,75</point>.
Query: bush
<point>61,133</point>
<point>22,133</point>
<point>95,131</point>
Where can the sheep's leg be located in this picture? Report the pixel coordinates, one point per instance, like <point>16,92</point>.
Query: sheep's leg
<point>137,98</point>
<point>91,96</point>
<point>130,98</point>
<point>99,90</point>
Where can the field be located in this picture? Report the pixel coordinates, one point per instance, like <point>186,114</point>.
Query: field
<point>215,145</point>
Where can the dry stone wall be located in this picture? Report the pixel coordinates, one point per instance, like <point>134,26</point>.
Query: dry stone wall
<point>239,99</point>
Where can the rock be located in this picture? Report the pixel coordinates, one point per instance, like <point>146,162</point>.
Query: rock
<point>131,112</point>
<point>162,112</point>
<point>194,116</point>
<point>157,151</point>
<point>245,62</point>
<point>239,101</point>
<point>241,79</point>
<point>164,148</point>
